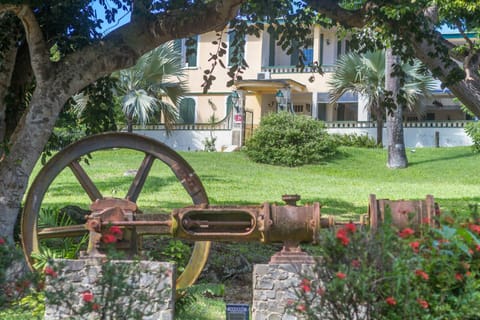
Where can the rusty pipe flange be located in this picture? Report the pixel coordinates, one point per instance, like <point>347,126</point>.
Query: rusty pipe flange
<point>68,157</point>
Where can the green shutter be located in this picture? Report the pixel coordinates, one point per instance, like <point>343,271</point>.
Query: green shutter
<point>191,53</point>
<point>294,55</point>
<point>187,110</point>
<point>271,50</point>
<point>320,59</point>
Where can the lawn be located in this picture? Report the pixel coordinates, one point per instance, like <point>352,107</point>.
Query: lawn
<point>341,185</point>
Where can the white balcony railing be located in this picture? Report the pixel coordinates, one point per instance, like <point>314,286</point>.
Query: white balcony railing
<point>419,124</point>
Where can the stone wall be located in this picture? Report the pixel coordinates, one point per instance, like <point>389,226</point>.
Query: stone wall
<point>130,286</point>
<point>274,288</point>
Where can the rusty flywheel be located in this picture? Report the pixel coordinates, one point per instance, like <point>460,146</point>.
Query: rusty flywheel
<point>69,157</point>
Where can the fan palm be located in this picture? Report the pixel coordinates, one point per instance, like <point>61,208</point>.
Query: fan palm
<point>141,88</point>
<point>364,74</point>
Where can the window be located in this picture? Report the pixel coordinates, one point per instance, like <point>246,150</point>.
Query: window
<point>187,111</point>
<point>188,49</point>
<point>236,48</point>
<point>308,52</point>
<point>298,108</point>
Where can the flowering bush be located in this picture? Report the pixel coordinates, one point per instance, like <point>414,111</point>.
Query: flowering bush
<point>431,273</point>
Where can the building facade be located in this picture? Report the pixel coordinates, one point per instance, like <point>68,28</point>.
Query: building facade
<point>273,82</point>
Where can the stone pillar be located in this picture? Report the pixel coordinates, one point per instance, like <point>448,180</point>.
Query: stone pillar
<point>144,286</point>
<point>274,288</point>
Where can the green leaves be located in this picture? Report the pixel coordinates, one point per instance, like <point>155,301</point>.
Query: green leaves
<point>289,140</point>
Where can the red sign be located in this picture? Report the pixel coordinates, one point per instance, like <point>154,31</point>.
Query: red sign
<point>238,118</point>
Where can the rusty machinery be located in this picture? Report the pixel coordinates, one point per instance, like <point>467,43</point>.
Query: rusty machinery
<point>288,224</point>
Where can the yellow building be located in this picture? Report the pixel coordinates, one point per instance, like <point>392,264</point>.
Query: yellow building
<point>273,82</point>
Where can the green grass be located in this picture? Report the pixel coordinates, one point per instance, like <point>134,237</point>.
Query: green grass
<point>342,185</point>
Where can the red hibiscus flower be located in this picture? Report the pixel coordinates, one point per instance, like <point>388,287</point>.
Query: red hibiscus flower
<point>421,274</point>
<point>423,303</point>
<point>342,236</point>
<point>415,245</point>
<point>391,301</point>
<point>341,275</point>
<point>305,285</point>
<point>301,308</point>
<point>475,228</point>
<point>87,296</point>
<point>356,263</point>
<point>405,233</point>
<point>50,272</point>
<point>116,231</point>
<point>351,227</point>
<point>109,238</point>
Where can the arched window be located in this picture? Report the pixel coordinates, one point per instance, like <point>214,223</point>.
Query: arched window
<point>187,111</point>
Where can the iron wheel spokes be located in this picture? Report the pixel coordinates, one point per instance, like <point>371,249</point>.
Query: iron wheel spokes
<point>140,178</point>
<point>85,181</point>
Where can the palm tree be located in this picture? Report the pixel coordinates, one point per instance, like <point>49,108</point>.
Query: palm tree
<point>141,88</point>
<point>364,74</point>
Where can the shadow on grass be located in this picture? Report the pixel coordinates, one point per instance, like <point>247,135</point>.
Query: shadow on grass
<point>467,154</point>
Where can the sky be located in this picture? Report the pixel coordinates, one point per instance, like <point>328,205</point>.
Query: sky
<point>121,18</point>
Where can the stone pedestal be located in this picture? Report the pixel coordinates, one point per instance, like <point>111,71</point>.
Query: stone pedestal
<point>274,288</point>
<point>139,286</point>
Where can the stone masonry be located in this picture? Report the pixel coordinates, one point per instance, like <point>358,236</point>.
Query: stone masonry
<point>148,287</point>
<point>274,288</point>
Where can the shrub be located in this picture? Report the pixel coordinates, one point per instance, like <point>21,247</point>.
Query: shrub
<point>355,140</point>
<point>289,140</point>
<point>394,274</point>
<point>473,131</point>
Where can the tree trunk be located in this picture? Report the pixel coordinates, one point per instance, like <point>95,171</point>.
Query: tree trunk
<point>397,157</point>
<point>27,143</point>
<point>129,123</point>
<point>8,64</point>
<point>379,128</point>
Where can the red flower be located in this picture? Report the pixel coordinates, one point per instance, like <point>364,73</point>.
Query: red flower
<point>342,236</point>
<point>351,227</point>
<point>321,291</point>
<point>415,245</point>
<point>477,247</point>
<point>301,308</point>
<point>405,233</point>
<point>109,238</point>
<point>391,301</point>
<point>116,231</point>
<point>475,228</point>
<point>2,241</point>
<point>305,285</point>
<point>356,263</point>
<point>87,296</point>
<point>341,275</point>
<point>422,303</point>
<point>421,274</point>
<point>50,272</point>
<point>458,277</point>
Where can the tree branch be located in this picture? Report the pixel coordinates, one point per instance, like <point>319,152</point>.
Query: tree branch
<point>39,54</point>
<point>348,18</point>
<point>122,47</point>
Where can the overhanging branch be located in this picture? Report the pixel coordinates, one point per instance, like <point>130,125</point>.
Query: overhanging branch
<point>39,55</point>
